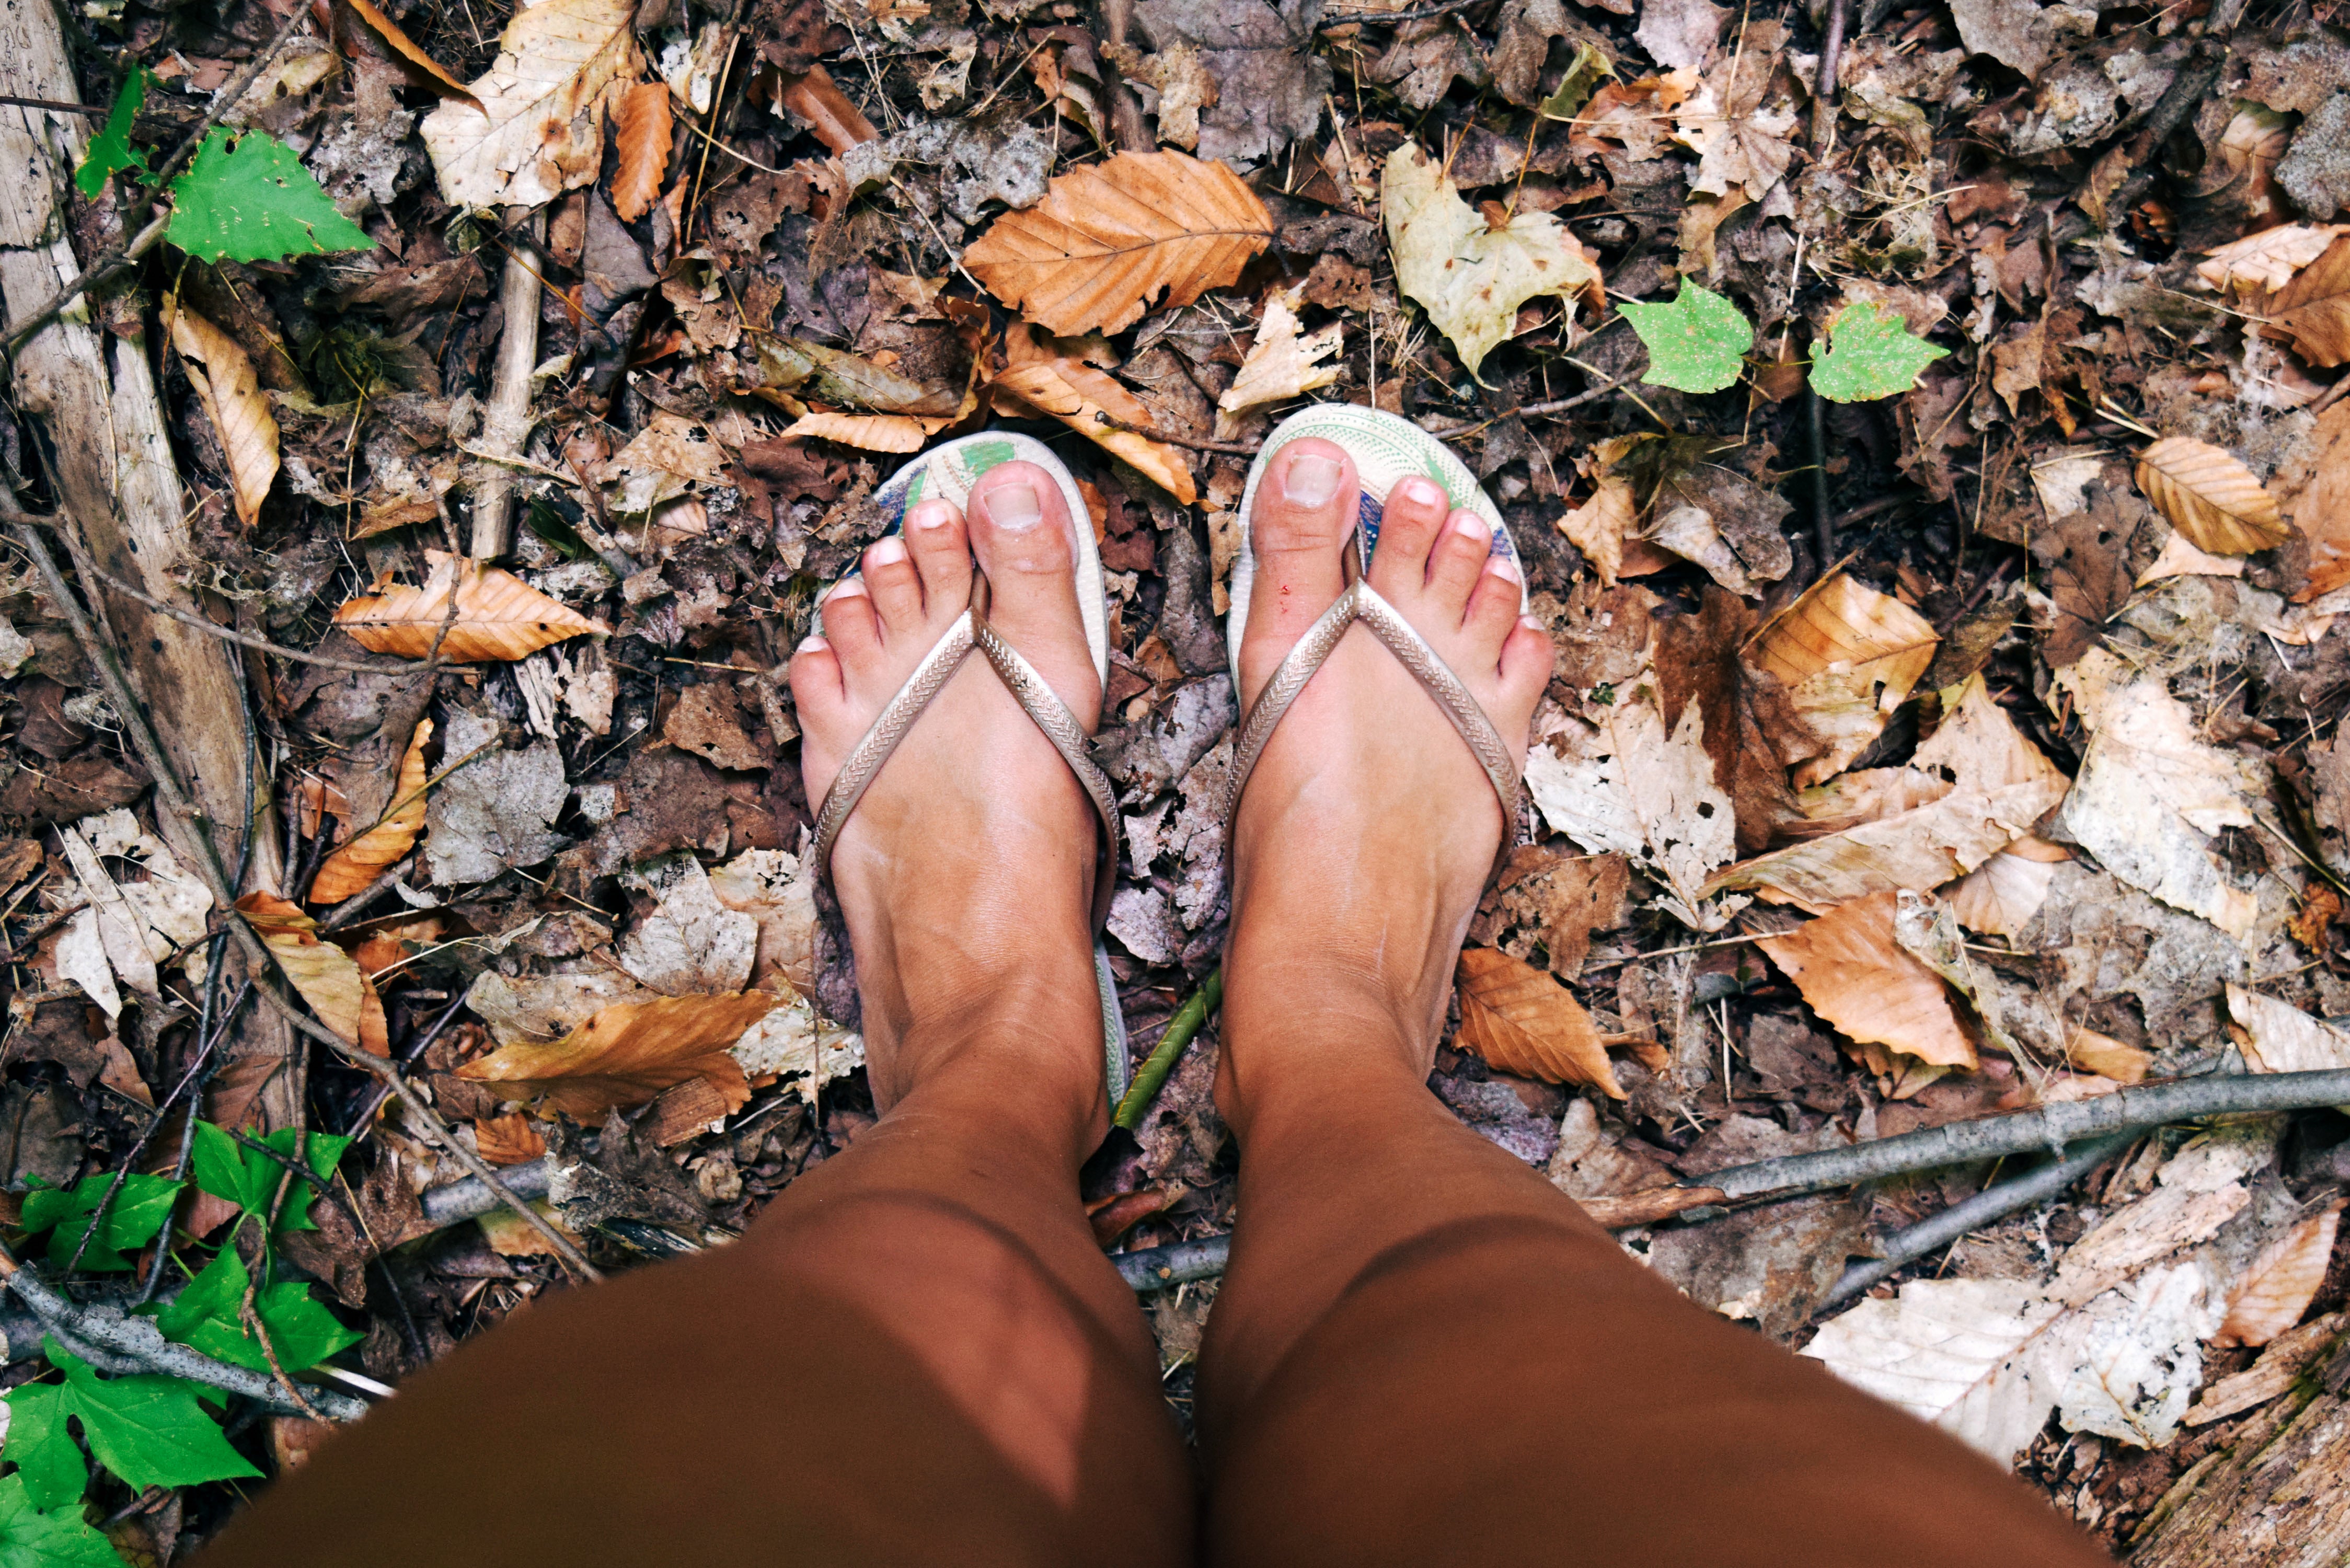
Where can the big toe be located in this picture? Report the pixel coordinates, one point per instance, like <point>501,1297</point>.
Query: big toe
<point>1301,516</point>
<point>1025,541</point>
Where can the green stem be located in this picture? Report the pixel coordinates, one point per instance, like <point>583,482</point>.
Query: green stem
<point>1170,1050</point>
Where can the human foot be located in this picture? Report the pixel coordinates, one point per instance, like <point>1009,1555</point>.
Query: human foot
<point>1366,829</point>
<point>966,870</point>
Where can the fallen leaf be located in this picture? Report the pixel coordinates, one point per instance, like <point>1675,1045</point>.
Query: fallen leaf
<point>2180,559</point>
<point>1075,393</point>
<point>2319,509</point>
<point>1598,527</point>
<point>2280,1365</point>
<point>640,119</point>
<point>2278,1285</point>
<point>1950,1352</point>
<point>708,722</point>
<point>628,1052</point>
<point>2152,794</point>
<point>774,888</point>
<point>130,928</point>
<point>328,978</point>
<point>1742,146</point>
<point>2314,309</point>
<point>2109,1057</point>
<point>1849,967</point>
<point>2278,1037</point>
<point>2267,260</point>
<point>498,616</point>
<point>1524,1021</point>
<point>498,811</point>
<point>221,372</point>
<point>1280,363</point>
<point>1269,83</point>
<point>2013,32</point>
<point>386,946</point>
<point>354,867</point>
<point>408,48</point>
<point>509,1139</point>
<point>2209,496</point>
<point>2002,895</point>
<point>1469,276</point>
<point>690,943</point>
<point>1848,655</point>
<point>2199,1190</point>
<point>1109,238</point>
<point>533,127</point>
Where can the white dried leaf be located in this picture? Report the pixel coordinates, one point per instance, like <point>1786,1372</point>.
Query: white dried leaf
<point>539,130</point>
<point>2279,1037</point>
<point>1956,1352</point>
<point>691,944</point>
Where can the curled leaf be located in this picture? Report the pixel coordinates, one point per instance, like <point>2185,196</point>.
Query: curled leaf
<point>221,372</point>
<point>1077,395</point>
<point>1281,363</point>
<point>2209,496</point>
<point>498,616</point>
<point>630,1051</point>
<point>1524,1021</point>
<point>1849,656</point>
<point>1856,975</point>
<point>533,127</point>
<point>410,51</point>
<point>328,978</point>
<point>354,867</point>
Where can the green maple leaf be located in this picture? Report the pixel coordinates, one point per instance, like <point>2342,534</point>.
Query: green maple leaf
<point>30,1538</point>
<point>206,1316</point>
<point>248,198</point>
<point>1871,354</point>
<point>50,1466</point>
<point>111,151</point>
<point>132,1220</point>
<point>146,1429</point>
<point>1696,344</point>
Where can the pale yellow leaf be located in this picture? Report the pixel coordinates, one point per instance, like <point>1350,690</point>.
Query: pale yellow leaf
<point>534,126</point>
<point>1859,978</point>
<point>328,978</point>
<point>630,1051</point>
<point>868,432</point>
<point>2279,1284</point>
<point>1599,526</point>
<point>1849,656</point>
<point>354,867</point>
<point>2209,496</point>
<point>1521,1021</point>
<point>2182,558</point>
<point>2268,259</point>
<point>221,372</point>
<point>641,118</point>
<point>1281,363</point>
<point>498,616</point>
<point>1076,394</point>
<point>2278,1037</point>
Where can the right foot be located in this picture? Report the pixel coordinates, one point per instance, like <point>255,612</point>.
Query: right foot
<point>1365,833</point>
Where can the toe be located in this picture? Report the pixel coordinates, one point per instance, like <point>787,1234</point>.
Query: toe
<point>853,630</point>
<point>1493,606</point>
<point>817,686</point>
<point>1303,513</point>
<point>1457,560</point>
<point>896,587</point>
<point>1527,660</point>
<point>1022,532</point>
<point>934,533</point>
<point>1408,528</point>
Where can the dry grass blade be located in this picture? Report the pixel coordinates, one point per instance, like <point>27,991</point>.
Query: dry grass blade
<point>1849,656</point>
<point>1075,393</point>
<point>640,119</point>
<point>2279,1284</point>
<point>1108,238</point>
<point>2208,496</point>
<point>867,432</point>
<point>409,50</point>
<point>221,372</point>
<point>2314,309</point>
<point>1524,1021</point>
<point>330,979</point>
<point>355,866</point>
<point>499,615</point>
<point>1857,976</point>
<point>630,1051</point>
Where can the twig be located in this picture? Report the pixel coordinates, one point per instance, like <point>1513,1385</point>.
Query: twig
<point>1230,449</point>
<point>230,634</point>
<point>1823,113</point>
<point>506,422</point>
<point>344,913</point>
<point>1380,18</point>
<point>1170,1050</point>
<point>470,1199</point>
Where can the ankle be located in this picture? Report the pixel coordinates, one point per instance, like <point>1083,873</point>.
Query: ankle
<point>1029,1066</point>
<point>1292,1042</point>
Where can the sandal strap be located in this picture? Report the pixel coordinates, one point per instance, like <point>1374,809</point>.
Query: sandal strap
<point>872,752</point>
<point>1043,705</point>
<point>1362,603</point>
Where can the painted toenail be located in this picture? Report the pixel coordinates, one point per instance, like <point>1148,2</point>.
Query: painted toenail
<point>931,515</point>
<point>1423,492</point>
<point>1310,480</point>
<point>1013,506</point>
<point>885,552</point>
<point>813,644</point>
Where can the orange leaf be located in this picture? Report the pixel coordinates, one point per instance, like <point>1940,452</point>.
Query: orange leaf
<point>837,123</point>
<point>1859,978</point>
<point>335,986</point>
<point>350,869</point>
<point>2314,309</point>
<point>2279,1284</point>
<point>221,372</point>
<point>1524,1021</point>
<point>2209,496</point>
<point>499,615</point>
<point>1849,656</point>
<point>630,1051</point>
<point>409,52</point>
<point>388,945</point>
<point>509,1139</point>
<point>1074,393</point>
<point>641,116</point>
<point>868,432</point>
<point>1109,237</point>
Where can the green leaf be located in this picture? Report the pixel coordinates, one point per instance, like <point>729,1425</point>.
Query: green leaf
<point>1871,354</point>
<point>48,1462</point>
<point>1574,89</point>
<point>324,1151</point>
<point>248,198</point>
<point>146,1429</point>
<point>31,1539</point>
<point>205,1316</point>
<point>1696,344</point>
<point>221,1169</point>
<point>131,1221</point>
<point>111,151</point>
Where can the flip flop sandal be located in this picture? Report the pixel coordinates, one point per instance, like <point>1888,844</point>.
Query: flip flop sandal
<point>1386,451</point>
<point>948,473</point>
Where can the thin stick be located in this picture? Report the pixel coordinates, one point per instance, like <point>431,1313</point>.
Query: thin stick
<point>230,634</point>
<point>1232,449</point>
<point>506,422</point>
<point>1169,1051</point>
<point>1824,114</point>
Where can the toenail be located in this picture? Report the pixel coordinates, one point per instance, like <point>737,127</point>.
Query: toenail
<point>1310,479</point>
<point>849,588</point>
<point>1528,623</point>
<point>885,552</point>
<point>813,644</point>
<point>931,515</point>
<point>1421,492</point>
<point>1013,506</point>
<point>1505,569</point>
<point>1469,525</point>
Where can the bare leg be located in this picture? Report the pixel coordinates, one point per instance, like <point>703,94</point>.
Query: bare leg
<point>1422,1351</point>
<point>918,1353</point>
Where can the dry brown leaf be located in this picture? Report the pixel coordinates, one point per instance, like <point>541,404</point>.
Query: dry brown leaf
<point>328,978</point>
<point>1848,655</point>
<point>2314,309</point>
<point>350,869</point>
<point>2279,1284</point>
<point>2209,496</point>
<point>498,616</point>
<point>1857,977</point>
<point>2002,895</point>
<point>1524,1021</point>
<point>2268,259</point>
<point>388,946</point>
<point>2278,1037</point>
<point>868,432</point>
<point>1109,237</point>
<point>1075,393</point>
<point>628,1052</point>
<point>1281,363</point>
<point>2107,1057</point>
<point>409,50</point>
<point>815,97</point>
<point>221,372</point>
<point>533,126</point>
<point>640,119</point>
<point>1599,525</point>
<point>509,1139</point>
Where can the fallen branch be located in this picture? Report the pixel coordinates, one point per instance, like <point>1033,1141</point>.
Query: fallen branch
<point>505,423</point>
<point>246,639</point>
